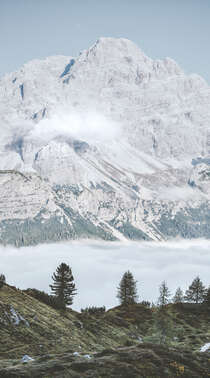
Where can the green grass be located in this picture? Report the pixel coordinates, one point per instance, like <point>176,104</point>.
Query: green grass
<point>54,336</point>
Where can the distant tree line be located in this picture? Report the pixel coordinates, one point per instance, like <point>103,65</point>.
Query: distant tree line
<point>196,292</point>
<point>63,291</point>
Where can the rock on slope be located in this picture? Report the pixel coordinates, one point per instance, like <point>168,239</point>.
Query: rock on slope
<point>110,145</point>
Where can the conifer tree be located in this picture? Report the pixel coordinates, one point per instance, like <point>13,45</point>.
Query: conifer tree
<point>2,280</point>
<point>196,291</point>
<point>162,321</point>
<point>127,290</point>
<point>179,296</point>
<point>164,294</point>
<point>207,297</point>
<point>63,287</point>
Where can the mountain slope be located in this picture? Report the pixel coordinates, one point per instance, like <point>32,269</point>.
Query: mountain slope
<point>112,145</point>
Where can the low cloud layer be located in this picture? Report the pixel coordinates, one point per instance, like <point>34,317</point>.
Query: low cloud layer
<point>89,126</point>
<point>98,267</point>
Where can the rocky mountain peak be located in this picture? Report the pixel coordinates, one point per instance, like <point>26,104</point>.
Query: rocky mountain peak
<point>137,125</point>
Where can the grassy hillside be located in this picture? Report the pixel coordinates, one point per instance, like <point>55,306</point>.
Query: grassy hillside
<point>117,341</point>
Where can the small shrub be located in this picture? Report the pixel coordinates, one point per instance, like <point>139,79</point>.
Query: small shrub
<point>93,310</point>
<point>45,298</point>
<point>145,303</point>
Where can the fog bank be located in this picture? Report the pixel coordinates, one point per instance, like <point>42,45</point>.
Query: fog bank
<point>98,267</point>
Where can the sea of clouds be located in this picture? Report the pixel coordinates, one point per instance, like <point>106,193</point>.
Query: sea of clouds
<point>98,267</point>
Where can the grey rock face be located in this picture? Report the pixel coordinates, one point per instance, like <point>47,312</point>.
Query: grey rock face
<point>109,145</point>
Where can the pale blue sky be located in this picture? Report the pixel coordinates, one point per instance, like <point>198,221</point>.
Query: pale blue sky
<point>32,29</point>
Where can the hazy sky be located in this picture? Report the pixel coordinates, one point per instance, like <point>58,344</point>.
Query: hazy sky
<point>98,267</point>
<point>32,29</point>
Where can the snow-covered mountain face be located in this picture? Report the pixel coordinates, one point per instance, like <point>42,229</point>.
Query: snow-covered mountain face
<point>111,145</point>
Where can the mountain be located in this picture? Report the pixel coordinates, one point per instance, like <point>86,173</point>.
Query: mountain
<point>114,343</point>
<point>110,144</point>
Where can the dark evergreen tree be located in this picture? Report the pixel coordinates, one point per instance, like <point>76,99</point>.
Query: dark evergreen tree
<point>164,294</point>
<point>127,290</point>
<point>196,291</point>
<point>178,297</point>
<point>2,280</point>
<point>207,297</point>
<point>63,287</point>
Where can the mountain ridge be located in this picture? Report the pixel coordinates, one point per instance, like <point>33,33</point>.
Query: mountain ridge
<point>118,142</point>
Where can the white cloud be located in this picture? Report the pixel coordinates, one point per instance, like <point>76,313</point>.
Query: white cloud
<point>88,126</point>
<point>98,267</point>
<point>27,137</point>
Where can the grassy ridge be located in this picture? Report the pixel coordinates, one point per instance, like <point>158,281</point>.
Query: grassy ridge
<point>116,340</point>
